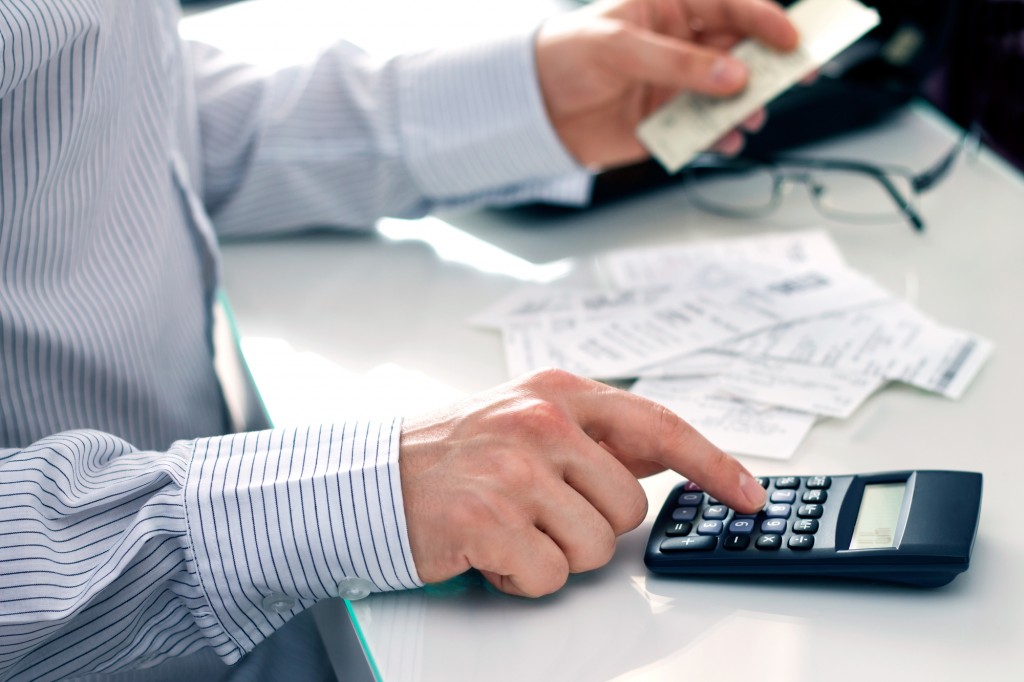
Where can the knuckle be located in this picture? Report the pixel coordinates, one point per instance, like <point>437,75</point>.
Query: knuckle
<point>550,580</point>
<point>599,549</point>
<point>514,470</point>
<point>634,511</point>
<point>670,427</point>
<point>539,418</point>
<point>686,63</point>
<point>552,378</point>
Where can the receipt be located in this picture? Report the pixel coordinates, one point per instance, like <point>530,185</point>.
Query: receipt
<point>819,390</point>
<point>621,346</point>
<point>691,123</point>
<point>738,427</point>
<point>891,341</point>
<point>706,265</point>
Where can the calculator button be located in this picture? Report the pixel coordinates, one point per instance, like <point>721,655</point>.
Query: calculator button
<point>801,542</point>
<point>815,496</point>
<point>769,542</point>
<point>764,481</point>
<point>691,487</point>
<point>787,482</point>
<point>692,543</point>
<point>778,511</point>
<point>786,496</point>
<point>806,526</point>
<point>810,511</point>
<point>681,528</point>
<point>717,512</point>
<point>773,526</point>
<point>736,542</point>
<point>742,526</point>
<point>819,482</point>
<point>684,514</point>
<point>691,499</point>
<point>709,528</point>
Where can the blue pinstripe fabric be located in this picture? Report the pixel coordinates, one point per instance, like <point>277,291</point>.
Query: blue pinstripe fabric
<point>130,530</point>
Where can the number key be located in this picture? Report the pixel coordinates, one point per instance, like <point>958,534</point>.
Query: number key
<point>741,526</point>
<point>716,513</point>
<point>691,499</point>
<point>785,496</point>
<point>709,528</point>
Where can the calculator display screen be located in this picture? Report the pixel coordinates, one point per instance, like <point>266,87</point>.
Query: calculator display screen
<point>878,516</point>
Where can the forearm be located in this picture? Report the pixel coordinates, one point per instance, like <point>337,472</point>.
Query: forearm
<point>114,558</point>
<point>347,139</point>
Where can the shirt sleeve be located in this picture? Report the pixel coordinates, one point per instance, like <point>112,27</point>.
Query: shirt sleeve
<point>346,139</point>
<point>116,558</point>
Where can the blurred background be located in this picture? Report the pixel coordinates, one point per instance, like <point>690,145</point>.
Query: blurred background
<point>964,56</point>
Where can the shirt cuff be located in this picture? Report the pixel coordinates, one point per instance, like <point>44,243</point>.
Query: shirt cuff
<point>472,122</point>
<point>280,519</point>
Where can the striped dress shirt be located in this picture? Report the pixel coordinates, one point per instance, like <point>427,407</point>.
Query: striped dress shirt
<point>131,529</point>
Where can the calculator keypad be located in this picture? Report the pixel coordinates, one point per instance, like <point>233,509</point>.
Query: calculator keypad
<point>701,523</point>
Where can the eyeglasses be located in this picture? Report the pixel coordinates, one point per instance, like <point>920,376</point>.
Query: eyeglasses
<point>847,190</point>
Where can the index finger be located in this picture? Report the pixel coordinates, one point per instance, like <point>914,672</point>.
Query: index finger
<point>639,429</point>
<point>763,20</point>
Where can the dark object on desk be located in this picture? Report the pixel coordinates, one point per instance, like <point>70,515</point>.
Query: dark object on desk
<point>911,527</point>
<point>981,78</point>
<point>861,87</point>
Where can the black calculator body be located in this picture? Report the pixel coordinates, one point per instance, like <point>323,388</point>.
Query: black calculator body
<point>915,527</point>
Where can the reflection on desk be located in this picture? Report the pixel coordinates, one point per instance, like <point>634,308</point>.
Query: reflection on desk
<point>295,653</point>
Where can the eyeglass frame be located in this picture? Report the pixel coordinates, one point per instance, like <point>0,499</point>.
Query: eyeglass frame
<point>918,182</point>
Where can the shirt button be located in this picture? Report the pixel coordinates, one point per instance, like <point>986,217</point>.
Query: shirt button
<point>352,589</point>
<point>278,603</point>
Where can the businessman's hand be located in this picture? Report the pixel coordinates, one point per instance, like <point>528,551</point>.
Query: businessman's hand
<point>604,68</point>
<point>534,479</point>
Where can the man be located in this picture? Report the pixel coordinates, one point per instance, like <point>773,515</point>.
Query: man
<point>133,531</point>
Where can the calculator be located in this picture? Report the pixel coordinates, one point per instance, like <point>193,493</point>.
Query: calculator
<point>915,527</point>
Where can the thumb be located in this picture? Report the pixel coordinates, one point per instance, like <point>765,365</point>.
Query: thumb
<point>667,62</point>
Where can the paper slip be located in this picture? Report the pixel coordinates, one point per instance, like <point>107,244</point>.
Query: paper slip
<point>701,363</point>
<point>620,347</point>
<point>691,123</point>
<point>807,388</point>
<point>891,341</point>
<point>737,427</point>
<point>535,345</point>
<point>531,303</point>
<point>703,263</point>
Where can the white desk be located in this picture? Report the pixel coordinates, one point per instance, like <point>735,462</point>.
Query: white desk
<point>620,622</point>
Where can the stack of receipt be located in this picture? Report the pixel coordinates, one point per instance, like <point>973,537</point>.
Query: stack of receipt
<point>750,340</point>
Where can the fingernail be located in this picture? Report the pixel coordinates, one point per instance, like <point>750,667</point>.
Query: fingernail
<point>752,489</point>
<point>728,73</point>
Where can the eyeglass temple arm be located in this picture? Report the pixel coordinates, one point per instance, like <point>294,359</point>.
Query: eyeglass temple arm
<point>927,178</point>
<point>905,206</point>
